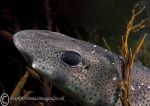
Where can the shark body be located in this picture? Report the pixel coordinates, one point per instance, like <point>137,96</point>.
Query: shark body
<point>86,72</point>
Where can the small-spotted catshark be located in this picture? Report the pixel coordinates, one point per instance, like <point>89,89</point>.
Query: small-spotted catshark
<point>86,72</point>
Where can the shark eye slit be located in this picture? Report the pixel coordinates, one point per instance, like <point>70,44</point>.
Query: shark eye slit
<point>70,58</point>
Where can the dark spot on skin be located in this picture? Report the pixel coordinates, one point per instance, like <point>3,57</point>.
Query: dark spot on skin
<point>84,96</point>
<point>90,98</point>
<point>95,95</point>
<point>43,67</point>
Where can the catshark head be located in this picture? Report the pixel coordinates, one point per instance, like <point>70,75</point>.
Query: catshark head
<point>86,72</point>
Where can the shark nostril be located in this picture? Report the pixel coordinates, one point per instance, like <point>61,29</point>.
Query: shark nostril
<point>70,58</point>
<point>87,67</point>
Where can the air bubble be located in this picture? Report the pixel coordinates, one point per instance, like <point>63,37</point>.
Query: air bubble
<point>114,78</point>
<point>106,50</point>
<point>93,51</point>
<point>78,47</point>
<point>145,68</point>
<point>132,88</point>
<point>94,46</point>
<point>139,87</point>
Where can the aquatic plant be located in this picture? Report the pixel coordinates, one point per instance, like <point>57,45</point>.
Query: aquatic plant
<point>128,55</point>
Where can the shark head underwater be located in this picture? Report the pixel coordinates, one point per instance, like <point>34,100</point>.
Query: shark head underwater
<point>86,72</point>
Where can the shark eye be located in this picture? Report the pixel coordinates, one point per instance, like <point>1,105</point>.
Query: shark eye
<point>70,58</point>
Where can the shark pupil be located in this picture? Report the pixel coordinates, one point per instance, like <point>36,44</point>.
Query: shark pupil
<point>70,58</point>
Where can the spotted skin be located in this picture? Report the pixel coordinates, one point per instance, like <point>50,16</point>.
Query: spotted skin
<point>93,82</point>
